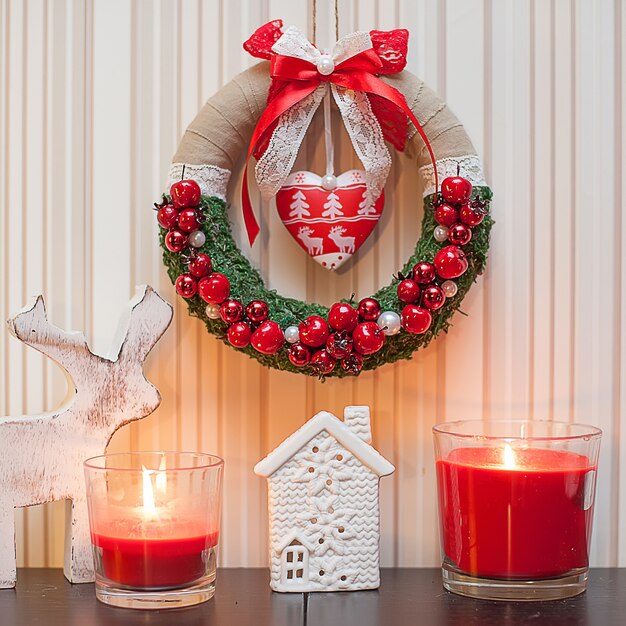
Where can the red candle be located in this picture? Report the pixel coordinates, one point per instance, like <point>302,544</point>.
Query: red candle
<point>154,561</point>
<point>525,515</point>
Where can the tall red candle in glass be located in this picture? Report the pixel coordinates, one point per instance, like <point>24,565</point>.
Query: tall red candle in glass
<point>154,519</point>
<point>516,507</point>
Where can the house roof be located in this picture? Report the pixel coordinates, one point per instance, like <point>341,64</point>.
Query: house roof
<point>335,427</point>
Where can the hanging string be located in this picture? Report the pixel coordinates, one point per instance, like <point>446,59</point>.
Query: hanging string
<point>314,16</point>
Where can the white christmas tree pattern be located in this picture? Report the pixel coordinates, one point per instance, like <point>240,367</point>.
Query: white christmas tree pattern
<point>333,206</point>
<point>299,205</point>
<point>365,206</point>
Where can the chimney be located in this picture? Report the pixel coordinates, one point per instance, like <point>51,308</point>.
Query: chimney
<point>357,419</point>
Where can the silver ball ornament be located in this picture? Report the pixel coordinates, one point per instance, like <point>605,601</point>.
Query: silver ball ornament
<point>441,233</point>
<point>197,239</point>
<point>389,323</point>
<point>292,334</point>
<point>449,288</point>
<point>213,311</point>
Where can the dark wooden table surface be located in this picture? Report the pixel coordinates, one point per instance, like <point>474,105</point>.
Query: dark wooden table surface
<point>406,596</point>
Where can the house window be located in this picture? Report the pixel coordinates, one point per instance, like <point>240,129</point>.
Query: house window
<point>295,564</point>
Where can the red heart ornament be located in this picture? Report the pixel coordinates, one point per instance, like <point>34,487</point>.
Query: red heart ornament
<point>330,224</point>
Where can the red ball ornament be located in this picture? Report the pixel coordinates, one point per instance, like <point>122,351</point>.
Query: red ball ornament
<point>339,345</point>
<point>343,316</point>
<point>231,311</point>
<point>268,338</point>
<point>368,338</point>
<point>415,319</point>
<point>433,297</point>
<point>459,234</point>
<point>456,190</point>
<point>313,331</point>
<point>257,311</point>
<point>446,215</point>
<point>423,273</point>
<point>299,355</point>
<point>167,216</point>
<point>239,335</point>
<point>471,215</point>
<point>408,290</point>
<point>186,286</point>
<point>353,364</point>
<point>188,220</point>
<point>185,193</point>
<point>322,363</point>
<point>214,288</point>
<point>369,309</point>
<point>175,241</point>
<point>451,262</point>
<point>200,265</point>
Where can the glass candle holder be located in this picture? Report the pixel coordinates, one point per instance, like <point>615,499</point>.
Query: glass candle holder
<point>154,520</point>
<point>515,507</point>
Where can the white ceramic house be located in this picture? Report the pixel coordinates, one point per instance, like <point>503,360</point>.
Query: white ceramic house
<point>323,505</point>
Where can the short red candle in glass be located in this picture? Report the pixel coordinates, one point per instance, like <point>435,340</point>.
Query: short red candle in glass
<point>154,521</point>
<point>515,508</point>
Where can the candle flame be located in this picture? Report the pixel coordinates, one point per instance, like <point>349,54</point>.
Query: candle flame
<point>161,477</point>
<point>509,457</point>
<point>149,508</point>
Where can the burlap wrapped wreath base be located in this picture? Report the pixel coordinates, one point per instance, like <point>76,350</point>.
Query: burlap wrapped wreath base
<point>214,143</point>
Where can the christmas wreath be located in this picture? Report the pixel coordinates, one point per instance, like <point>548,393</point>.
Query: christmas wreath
<point>266,112</point>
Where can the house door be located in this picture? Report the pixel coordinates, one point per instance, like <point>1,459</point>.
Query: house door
<point>295,565</point>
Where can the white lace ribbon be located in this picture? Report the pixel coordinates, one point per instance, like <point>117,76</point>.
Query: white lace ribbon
<point>365,133</point>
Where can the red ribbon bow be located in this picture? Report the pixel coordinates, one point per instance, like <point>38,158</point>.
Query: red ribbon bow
<point>294,79</point>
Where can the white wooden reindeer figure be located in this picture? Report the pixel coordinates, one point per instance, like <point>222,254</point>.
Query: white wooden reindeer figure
<point>314,245</point>
<point>345,244</point>
<point>41,456</point>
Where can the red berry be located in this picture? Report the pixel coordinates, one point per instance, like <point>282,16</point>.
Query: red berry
<point>415,319</point>
<point>239,335</point>
<point>369,309</point>
<point>185,193</point>
<point>456,190</point>
<point>339,345</point>
<point>188,220</point>
<point>313,331</point>
<point>214,288</point>
<point>322,363</point>
<point>231,311</point>
<point>175,241</point>
<point>186,286</point>
<point>459,234</point>
<point>268,338</point>
<point>470,215</point>
<point>299,355</point>
<point>167,216</point>
<point>257,311</point>
<point>353,364</point>
<point>451,262</point>
<point>408,290</point>
<point>446,215</point>
<point>343,316</point>
<point>368,338</point>
<point>423,273</point>
<point>200,265</point>
<point>433,297</point>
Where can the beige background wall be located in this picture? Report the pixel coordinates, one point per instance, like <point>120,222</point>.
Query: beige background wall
<point>94,95</point>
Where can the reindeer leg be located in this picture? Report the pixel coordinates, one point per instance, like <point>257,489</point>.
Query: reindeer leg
<point>78,567</point>
<point>8,571</point>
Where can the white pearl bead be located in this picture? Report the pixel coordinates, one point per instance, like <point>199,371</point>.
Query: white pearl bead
<point>325,65</point>
<point>441,233</point>
<point>449,288</point>
<point>197,239</point>
<point>213,311</point>
<point>329,182</point>
<point>292,334</point>
<point>389,322</point>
